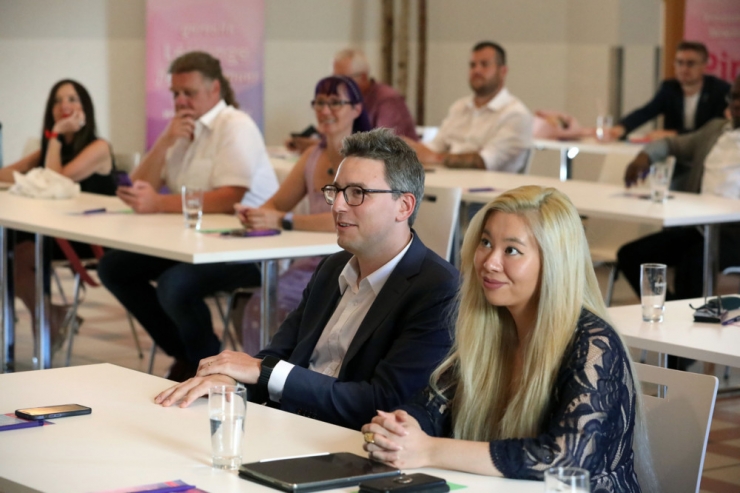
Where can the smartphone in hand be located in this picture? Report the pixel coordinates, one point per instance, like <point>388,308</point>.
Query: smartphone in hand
<point>52,412</point>
<point>123,179</point>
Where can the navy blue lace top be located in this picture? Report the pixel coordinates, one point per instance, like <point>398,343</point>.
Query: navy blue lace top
<point>590,422</point>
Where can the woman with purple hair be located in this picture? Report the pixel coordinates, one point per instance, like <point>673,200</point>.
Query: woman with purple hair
<point>339,113</point>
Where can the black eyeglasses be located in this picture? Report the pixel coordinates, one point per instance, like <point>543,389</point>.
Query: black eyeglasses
<point>333,104</point>
<point>733,96</point>
<point>687,63</point>
<point>353,194</point>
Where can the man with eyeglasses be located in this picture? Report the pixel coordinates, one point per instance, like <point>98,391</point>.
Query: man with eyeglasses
<point>713,152</point>
<point>686,102</point>
<point>374,320</point>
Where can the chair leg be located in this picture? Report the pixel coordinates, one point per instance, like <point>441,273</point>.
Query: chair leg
<point>71,319</point>
<point>226,336</point>
<point>58,282</point>
<point>152,354</point>
<point>234,338</point>
<point>643,356</point>
<point>613,274</point>
<point>133,332</point>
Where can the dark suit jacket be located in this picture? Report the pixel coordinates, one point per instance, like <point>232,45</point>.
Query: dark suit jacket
<point>668,101</point>
<point>404,336</point>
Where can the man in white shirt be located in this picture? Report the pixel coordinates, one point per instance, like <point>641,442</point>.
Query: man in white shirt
<point>490,130</point>
<point>208,144</point>
<point>374,320</point>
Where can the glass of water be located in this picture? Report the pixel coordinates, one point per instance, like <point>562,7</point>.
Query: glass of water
<point>567,479</point>
<point>227,408</point>
<point>652,291</point>
<point>192,206</point>
<point>603,127</point>
<point>660,179</point>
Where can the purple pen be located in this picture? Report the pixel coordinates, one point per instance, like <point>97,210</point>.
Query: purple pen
<point>94,211</point>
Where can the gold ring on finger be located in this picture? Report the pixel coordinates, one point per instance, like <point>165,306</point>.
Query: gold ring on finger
<point>369,437</point>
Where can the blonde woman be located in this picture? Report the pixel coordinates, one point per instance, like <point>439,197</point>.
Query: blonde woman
<point>537,377</point>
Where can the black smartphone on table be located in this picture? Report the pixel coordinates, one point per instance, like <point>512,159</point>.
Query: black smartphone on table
<point>406,483</point>
<point>245,233</point>
<point>52,412</point>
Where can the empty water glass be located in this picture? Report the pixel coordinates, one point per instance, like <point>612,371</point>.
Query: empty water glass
<point>652,291</point>
<point>567,480</point>
<point>192,206</point>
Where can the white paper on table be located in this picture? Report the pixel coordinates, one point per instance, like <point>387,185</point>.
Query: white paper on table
<point>42,183</point>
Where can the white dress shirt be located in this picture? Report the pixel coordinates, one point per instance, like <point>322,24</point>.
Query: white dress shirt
<point>690,103</point>
<point>227,150</point>
<point>357,298</point>
<point>500,131</point>
<point>722,166</point>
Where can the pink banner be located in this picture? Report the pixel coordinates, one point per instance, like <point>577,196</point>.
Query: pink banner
<point>716,23</point>
<point>230,30</point>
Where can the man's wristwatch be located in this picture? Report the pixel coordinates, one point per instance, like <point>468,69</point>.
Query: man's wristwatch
<point>287,222</point>
<point>268,364</point>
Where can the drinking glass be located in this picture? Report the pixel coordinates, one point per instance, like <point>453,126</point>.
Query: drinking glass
<point>603,127</point>
<point>192,206</point>
<point>567,480</point>
<point>660,179</point>
<point>227,408</point>
<point>652,291</point>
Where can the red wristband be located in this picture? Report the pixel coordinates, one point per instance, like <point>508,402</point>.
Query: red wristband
<point>49,134</point>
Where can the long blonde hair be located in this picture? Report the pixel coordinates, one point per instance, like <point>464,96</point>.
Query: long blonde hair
<point>482,357</point>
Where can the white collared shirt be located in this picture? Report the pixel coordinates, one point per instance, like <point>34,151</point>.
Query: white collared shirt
<point>227,150</point>
<point>356,300</point>
<point>500,131</point>
<point>690,103</point>
<point>722,166</point>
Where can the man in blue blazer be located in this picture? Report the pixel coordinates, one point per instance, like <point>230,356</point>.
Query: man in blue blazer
<point>686,102</point>
<point>374,320</point>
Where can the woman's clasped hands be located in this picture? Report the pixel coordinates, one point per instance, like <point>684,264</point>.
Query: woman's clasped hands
<point>397,439</point>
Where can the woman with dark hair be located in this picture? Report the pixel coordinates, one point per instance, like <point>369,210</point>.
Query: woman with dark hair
<point>69,146</point>
<point>339,113</point>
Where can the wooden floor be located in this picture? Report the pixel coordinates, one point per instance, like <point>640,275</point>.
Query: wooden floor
<point>105,336</point>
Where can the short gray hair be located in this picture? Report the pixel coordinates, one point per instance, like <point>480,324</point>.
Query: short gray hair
<point>357,58</point>
<point>403,171</point>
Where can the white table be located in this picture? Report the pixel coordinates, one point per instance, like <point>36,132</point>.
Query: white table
<point>678,334</point>
<point>129,441</point>
<point>608,201</point>
<point>160,235</point>
<point>569,149</point>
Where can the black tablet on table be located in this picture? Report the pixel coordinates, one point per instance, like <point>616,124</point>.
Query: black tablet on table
<point>315,472</point>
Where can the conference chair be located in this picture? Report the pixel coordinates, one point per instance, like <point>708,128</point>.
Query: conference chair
<point>678,425</point>
<point>606,236</point>
<point>436,222</point>
<point>81,269</point>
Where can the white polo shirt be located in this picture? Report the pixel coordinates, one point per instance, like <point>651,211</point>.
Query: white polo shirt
<point>500,131</point>
<point>227,150</point>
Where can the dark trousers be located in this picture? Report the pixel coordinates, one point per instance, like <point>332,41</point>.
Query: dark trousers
<point>174,312</point>
<point>681,248</point>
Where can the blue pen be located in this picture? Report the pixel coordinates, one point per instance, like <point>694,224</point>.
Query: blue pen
<point>481,189</point>
<point>94,211</point>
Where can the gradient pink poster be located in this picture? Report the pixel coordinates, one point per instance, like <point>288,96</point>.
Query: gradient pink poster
<point>230,30</point>
<point>716,23</point>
